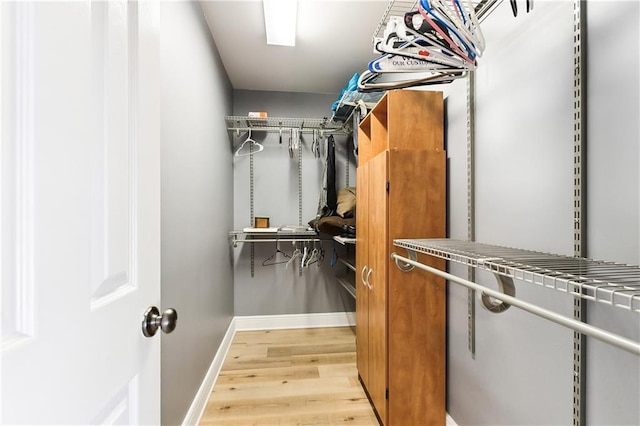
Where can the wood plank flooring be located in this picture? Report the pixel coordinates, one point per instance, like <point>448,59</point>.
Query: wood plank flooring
<point>290,377</point>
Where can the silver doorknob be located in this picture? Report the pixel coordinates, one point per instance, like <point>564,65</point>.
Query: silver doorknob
<point>152,320</point>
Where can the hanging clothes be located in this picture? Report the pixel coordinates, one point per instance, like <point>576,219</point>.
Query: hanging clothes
<point>328,196</point>
<point>332,198</point>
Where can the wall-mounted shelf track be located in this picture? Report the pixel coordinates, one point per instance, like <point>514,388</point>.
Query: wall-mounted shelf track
<point>610,283</point>
<point>281,124</point>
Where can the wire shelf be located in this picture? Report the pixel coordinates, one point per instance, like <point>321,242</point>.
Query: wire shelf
<point>351,289</point>
<point>614,284</point>
<point>270,124</point>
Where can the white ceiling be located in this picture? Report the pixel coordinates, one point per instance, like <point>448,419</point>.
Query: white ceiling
<point>333,42</point>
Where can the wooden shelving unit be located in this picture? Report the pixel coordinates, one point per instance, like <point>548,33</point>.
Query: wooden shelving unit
<point>400,319</point>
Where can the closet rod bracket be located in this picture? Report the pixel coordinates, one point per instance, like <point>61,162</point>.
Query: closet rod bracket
<point>403,266</point>
<point>505,286</point>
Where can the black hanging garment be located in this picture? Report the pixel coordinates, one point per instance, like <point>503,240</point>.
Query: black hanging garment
<point>332,197</point>
<point>328,196</point>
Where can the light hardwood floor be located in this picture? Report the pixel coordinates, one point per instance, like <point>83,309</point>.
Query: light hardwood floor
<point>290,377</point>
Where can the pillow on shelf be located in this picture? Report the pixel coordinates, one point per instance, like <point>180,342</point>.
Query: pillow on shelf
<point>346,202</point>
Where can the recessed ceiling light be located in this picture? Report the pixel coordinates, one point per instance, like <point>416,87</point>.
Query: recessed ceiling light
<point>280,18</point>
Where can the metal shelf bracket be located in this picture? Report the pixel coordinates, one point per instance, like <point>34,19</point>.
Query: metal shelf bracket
<point>406,267</point>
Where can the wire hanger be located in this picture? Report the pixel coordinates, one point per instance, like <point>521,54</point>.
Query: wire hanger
<point>259,146</point>
<point>272,260</point>
<point>296,254</point>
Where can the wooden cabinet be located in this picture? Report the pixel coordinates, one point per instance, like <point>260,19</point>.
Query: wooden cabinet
<point>371,265</point>
<point>400,317</point>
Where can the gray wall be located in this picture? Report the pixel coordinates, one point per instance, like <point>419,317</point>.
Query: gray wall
<point>197,200</point>
<point>279,289</point>
<point>522,370</point>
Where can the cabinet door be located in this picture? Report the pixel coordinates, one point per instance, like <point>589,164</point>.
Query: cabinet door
<point>362,268</point>
<point>416,300</point>
<point>378,260</point>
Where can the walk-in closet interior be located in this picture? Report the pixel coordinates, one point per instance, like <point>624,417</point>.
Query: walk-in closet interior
<point>511,165</point>
<point>453,183</point>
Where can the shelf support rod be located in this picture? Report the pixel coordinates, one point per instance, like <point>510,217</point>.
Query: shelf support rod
<point>586,329</point>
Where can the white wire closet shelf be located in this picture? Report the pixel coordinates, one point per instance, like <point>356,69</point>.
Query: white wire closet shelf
<point>277,124</point>
<point>273,235</point>
<point>611,283</point>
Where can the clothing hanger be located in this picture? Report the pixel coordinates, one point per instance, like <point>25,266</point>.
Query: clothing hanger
<point>436,44</point>
<point>457,20</point>
<point>427,48</point>
<point>465,20</point>
<point>271,260</point>
<point>315,145</point>
<point>296,253</point>
<point>438,11</point>
<point>251,142</point>
<point>423,57</point>
<point>305,252</point>
<point>316,256</point>
<point>291,143</point>
<point>514,7</point>
<point>372,82</point>
<point>428,15</point>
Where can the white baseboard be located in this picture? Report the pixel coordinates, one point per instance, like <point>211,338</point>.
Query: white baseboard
<point>259,322</point>
<point>450,421</point>
<point>273,322</point>
<point>202,396</point>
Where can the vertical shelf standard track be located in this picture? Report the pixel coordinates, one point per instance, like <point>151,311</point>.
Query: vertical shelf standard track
<point>251,211</point>
<point>579,204</point>
<point>471,208</point>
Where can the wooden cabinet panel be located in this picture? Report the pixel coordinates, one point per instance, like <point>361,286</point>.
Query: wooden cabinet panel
<point>378,230</point>
<point>364,141</point>
<point>362,262</point>
<point>416,299</point>
<point>415,120</point>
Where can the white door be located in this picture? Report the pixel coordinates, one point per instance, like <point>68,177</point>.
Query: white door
<point>80,211</point>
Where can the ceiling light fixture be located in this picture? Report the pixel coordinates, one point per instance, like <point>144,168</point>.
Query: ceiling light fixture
<point>280,18</point>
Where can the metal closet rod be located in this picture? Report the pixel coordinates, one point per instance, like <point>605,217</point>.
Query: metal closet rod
<point>343,131</point>
<point>586,329</point>
<point>279,240</point>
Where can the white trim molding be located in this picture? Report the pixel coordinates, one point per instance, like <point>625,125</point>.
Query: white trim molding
<point>274,322</point>
<point>202,396</point>
<point>450,421</point>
